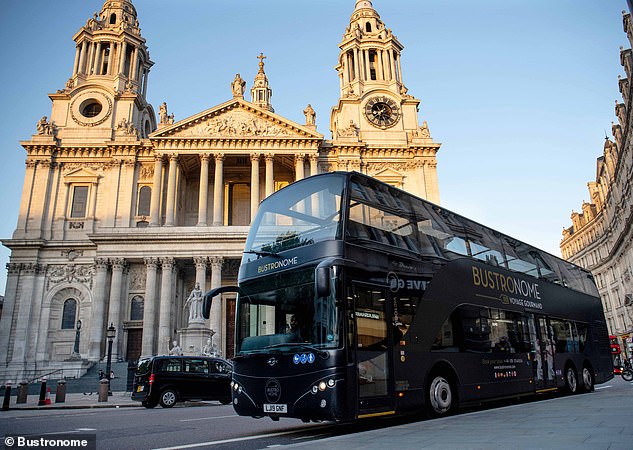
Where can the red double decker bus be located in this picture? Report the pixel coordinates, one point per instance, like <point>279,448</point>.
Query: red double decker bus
<point>616,354</point>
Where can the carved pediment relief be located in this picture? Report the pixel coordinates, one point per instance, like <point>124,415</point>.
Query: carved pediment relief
<point>238,123</point>
<point>235,119</point>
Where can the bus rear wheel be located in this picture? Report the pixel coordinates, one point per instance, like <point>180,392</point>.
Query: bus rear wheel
<point>441,396</point>
<point>571,380</point>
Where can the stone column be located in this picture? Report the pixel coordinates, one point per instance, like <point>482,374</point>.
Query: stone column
<point>299,170</point>
<point>76,63</point>
<point>114,311</point>
<point>121,60</point>
<point>166,301</point>
<point>203,190</point>
<point>149,307</point>
<point>97,309</point>
<point>218,190</point>
<point>270,180</point>
<point>156,190</point>
<point>216,307</point>
<point>170,214</point>
<point>201,272</point>
<point>314,167</point>
<point>97,63</point>
<point>254,184</point>
<point>8,309</point>
<point>82,57</point>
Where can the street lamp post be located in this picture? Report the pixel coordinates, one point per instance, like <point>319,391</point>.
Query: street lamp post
<point>76,354</point>
<point>110,335</point>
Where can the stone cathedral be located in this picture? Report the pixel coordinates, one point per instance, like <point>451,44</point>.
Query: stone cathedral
<point>125,212</point>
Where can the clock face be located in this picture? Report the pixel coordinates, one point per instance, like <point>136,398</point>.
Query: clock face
<point>382,112</point>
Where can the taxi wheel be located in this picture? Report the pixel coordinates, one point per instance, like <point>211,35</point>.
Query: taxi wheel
<point>168,398</point>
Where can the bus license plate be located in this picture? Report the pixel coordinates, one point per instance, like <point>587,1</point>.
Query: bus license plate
<point>274,408</point>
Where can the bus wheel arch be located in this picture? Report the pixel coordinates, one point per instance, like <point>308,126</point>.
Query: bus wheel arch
<point>571,378</point>
<point>441,391</point>
<point>587,377</point>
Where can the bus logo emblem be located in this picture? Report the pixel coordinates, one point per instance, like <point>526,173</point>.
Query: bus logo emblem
<point>272,390</point>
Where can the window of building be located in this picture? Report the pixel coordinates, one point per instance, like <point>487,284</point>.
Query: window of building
<point>368,27</point>
<point>79,202</point>
<point>69,314</point>
<point>113,18</point>
<point>136,308</point>
<point>144,201</point>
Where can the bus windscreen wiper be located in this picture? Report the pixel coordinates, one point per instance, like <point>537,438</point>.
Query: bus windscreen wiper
<point>260,253</point>
<point>322,353</point>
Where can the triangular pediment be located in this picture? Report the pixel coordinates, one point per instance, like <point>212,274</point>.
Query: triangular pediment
<point>387,173</point>
<point>81,175</point>
<point>236,119</point>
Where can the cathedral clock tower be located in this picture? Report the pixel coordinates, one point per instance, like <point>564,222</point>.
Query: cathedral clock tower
<point>375,126</point>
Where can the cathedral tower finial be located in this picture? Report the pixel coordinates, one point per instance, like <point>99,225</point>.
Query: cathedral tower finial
<point>261,91</point>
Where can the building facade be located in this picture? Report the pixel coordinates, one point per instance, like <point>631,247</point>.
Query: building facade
<point>125,211</point>
<point>601,236</point>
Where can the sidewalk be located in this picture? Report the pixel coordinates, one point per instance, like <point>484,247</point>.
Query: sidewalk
<point>78,401</point>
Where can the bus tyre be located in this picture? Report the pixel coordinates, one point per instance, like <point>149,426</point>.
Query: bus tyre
<point>587,379</point>
<point>441,401</point>
<point>168,398</point>
<point>571,380</point>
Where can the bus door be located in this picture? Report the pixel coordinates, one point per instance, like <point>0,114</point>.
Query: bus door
<point>543,352</point>
<point>374,350</point>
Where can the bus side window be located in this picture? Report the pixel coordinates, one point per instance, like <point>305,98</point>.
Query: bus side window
<point>476,329</point>
<point>446,341</point>
<point>582,336</point>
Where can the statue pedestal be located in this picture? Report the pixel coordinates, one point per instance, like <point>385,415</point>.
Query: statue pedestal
<point>193,339</point>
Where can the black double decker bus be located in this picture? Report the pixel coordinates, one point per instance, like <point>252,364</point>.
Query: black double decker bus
<point>357,299</point>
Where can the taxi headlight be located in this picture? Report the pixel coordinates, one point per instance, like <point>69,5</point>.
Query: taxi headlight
<point>322,386</point>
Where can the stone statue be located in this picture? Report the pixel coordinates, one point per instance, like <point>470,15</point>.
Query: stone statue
<point>175,350</point>
<point>194,302</point>
<point>44,127</point>
<point>238,86</point>
<point>310,115</point>
<point>162,113</point>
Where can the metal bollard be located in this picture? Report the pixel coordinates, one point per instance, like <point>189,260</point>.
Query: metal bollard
<point>23,392</point>
<point>60,395</point>
<point>7,396</point>
<point>42,400</point>
<point>103,390</point>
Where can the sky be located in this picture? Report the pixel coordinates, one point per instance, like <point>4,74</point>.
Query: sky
<point>520,93</point>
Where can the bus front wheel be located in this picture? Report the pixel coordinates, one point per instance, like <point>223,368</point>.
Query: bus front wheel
<point>441,396</point>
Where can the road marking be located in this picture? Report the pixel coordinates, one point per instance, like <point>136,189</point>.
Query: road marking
<point>208,418</point>
<point>228,441</point>
<point>597,388</point>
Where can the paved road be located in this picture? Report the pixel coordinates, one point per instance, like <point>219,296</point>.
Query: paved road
<point>600,420</point>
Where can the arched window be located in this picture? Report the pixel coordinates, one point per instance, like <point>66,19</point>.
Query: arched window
<point>144,199</point>
<point>136,308</point>
<point>113,19</point>
<point>69,314</point>
<point>368,27</point>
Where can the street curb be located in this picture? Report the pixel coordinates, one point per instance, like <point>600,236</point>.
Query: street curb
<point>97,406</point>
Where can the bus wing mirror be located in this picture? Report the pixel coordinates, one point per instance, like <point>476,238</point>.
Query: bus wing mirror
<point>208,298</point>
<point>322,280</point>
